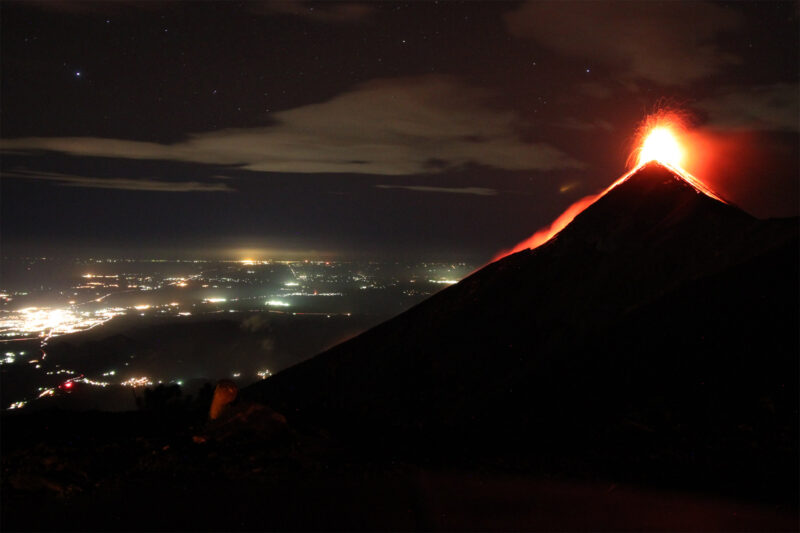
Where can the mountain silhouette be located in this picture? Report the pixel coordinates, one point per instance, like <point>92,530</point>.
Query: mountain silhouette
<point>637,371</point>
<point>655,335</point>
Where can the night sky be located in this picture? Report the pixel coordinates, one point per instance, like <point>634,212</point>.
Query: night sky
<point>440,130</point>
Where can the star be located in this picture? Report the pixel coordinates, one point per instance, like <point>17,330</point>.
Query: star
<point>77,73</point>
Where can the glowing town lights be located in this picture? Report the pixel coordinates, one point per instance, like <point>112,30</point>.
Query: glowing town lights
<point>445,281</point>
<point>141,307</point>
<point>181,284</point>
<point>214,300</point>
<point>94,383</point>
<point>47,322</point>
<point>136,382</point>
<point>184,313</point>
<point>47,392</point>
<point>661,145</point>
<point>291,284</point>
<point>277,303</point>
<point>264,374</point>
<point>17,405</point>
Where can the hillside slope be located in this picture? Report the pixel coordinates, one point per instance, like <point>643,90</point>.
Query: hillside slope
<point>659,327</point>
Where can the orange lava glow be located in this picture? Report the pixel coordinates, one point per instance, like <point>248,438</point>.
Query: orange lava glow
<point>658,139</point>
<point>661,145</point>
<point>547,232</point>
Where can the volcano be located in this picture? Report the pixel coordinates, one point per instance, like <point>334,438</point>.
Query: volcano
<point>654,337</point>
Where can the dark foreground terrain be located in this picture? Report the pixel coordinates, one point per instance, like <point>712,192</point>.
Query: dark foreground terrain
<point>142,471</point>
<point>639,371</point>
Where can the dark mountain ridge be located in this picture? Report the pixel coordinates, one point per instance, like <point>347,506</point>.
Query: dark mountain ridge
<point>658,329</point>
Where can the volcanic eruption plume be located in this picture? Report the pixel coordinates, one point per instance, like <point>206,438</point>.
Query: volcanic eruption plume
<point>657,140</point>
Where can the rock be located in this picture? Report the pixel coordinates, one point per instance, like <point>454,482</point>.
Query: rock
<point>224,394</point>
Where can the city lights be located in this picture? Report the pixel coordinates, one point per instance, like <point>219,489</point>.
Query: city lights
<point>94,383</point>
<point>91,299</point>
<point>136,382</point>
<point>49,322</point>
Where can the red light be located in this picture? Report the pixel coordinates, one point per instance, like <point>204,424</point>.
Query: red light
<point>68,385</point>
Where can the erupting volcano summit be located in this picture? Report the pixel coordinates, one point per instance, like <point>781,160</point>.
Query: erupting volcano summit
<point>659,146</point>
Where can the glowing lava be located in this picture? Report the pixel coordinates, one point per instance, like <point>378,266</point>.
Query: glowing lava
<point>658,143</point>
<point>661,145</point>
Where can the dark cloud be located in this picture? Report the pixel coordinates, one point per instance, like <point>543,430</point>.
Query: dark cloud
<point>94,7</point>
<point>595,89</point>
<point>127,184</point>
<point>478,191</point>
<point>327,12</point>
<point>341,12</point>
<point>671,43</point>
<point>774,107</point>
<point>383,127</point>
<point>573,123</point>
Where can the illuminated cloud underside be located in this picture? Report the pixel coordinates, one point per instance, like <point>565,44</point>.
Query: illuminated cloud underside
<point>128,184</point>
<point>405,126</point>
